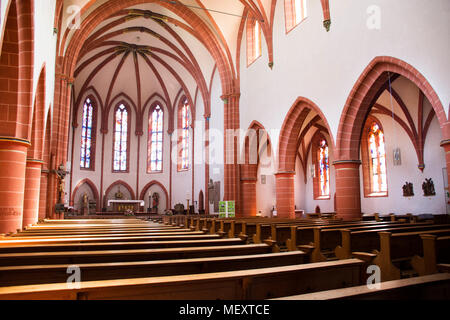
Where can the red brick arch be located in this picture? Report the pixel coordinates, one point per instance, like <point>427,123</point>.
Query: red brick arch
<point>37,134</point>
<point>363,96</point>
<point>361,99</point>
<point>287,152</point>
<point>290,131</point>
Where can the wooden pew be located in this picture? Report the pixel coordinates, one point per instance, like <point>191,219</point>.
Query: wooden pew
<point>105,238</point>
<point>207,240</point>
<point>252,284</point>
<point>400,247</point>
<point>368,240</point>
<point>96,232</point>
<point>262,231</point>
<point>77,257</point>
<point>431,287</point>
<point>116,235</point>
<point>93,221</point>
<point>40,274</point>
<point>310,238</point>
<point>436,250</point>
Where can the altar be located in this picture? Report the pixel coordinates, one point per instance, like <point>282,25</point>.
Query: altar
<point>124,205</point>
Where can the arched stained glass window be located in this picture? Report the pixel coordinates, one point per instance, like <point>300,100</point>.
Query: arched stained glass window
<point>121,129</point>
<point>299,10</point>
<point>295,12</point>
<point>87,151</point>
<point>155,139</point>
<point>324,169</point>
<point>184,123</point>
<point>377,159</point>
<point>254,48</point>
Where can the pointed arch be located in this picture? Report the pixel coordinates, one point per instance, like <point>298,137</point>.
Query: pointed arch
<point>89,133</point>
<point>290,131</point>
<point>93,189</point>
<point>151,183</point>
<point>364,94</point>
<point>38,122</point>
<point>155,139</point>
<point>184,123</point>
<point>121,183</point>
<point>121,131</point>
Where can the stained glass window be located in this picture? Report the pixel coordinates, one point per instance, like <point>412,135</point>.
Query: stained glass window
<point>257,40</point>
<point>155,140</point>
<point>295,12</point>
<point>184,149</point>
<point>87,135</point>
<point>377,159</point>
<point>299,10</point>
<point>120,138</point>
<point>324,169</point>
<point>253,40</point>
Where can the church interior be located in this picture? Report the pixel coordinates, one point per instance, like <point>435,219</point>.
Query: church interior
<point>233,150</point>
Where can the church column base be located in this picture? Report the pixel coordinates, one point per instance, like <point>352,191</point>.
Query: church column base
<point>285,195</point>
<point>348,196</point>
<point>32,189</point>
<point>13,154</point>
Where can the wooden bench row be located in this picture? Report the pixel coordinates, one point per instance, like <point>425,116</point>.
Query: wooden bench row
<point>250,284</point>
<point>431,287</point>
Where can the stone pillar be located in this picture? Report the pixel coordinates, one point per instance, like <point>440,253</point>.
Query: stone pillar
<point>231,149</point>
<point>43,196</point>
<point>348,195</point>
<point>285,194</point>
<point>248,190</point>
<point>13,155</point>
<point>32,192</point>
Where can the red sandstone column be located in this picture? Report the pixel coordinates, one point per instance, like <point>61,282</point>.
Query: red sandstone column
<point>348,199</point>
<point>248,190</point>
<point>231,170</point>
<point>31,195</point>
<point>446,145</point>
<point>43,197</point>
<point>13,154</point>
<point>285,194</point>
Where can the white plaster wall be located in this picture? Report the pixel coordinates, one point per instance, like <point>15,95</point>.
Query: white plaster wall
<point>266,193</point>
<point>300,187</point>
<point>408,172</point>
<point>324,66</point>
<point>199,153</point>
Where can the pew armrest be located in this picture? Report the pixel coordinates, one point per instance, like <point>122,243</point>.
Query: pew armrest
<point>273,244</point>
<point>306,248</point>
<point>365,256</point>
<point>221,234</point>
<point>443,268</point>
<point>244,237</point>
